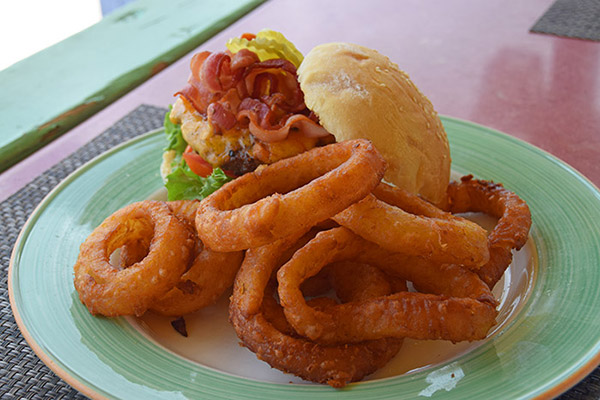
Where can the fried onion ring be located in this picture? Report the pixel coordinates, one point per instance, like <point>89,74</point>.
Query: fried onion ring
<point>266,333</point>
<point>207,279</point>
<point>351,282</point>
<point>316,285</point>
<point>429,233</point>
<point>460,308</point>
<point>288,196</point>
<point>110,291</point>
<point>211,274</point>
<point>511,230</point>
<point>354,281</point>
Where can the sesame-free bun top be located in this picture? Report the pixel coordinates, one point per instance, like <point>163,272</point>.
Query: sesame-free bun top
<point>359,93</point>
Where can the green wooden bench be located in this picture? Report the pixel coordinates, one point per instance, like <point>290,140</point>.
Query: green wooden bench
<point>48,93</point>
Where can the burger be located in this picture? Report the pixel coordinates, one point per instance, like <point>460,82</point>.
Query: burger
<point>261,101</point>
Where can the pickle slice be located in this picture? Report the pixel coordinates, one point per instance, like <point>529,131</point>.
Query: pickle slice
<point>267,45</point>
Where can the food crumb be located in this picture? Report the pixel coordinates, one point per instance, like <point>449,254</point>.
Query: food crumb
<point>179,325</point>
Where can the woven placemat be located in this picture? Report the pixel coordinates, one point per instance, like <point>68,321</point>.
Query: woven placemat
<point>571,18</point>
<point>22,373</point>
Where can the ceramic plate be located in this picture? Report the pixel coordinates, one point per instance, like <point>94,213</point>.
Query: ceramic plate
<point>547,338</point>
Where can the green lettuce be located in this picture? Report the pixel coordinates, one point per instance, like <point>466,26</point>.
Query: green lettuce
<point>175,139</point>
<point>182,183</point>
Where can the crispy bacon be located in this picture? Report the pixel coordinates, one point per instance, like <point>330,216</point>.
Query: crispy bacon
<point>259,117</point>
<point>196,64</point>
<point>243,59</point>
<point>239,89</point>
<point>215,68</point>
<point>221,116</point>
<point>197,96</point>
<point>274,133</point>
<point>282,78</point>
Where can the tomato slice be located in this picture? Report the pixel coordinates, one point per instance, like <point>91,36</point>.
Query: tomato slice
<point>197,164</point>
<point>248,36</point>
<point>230,174</point>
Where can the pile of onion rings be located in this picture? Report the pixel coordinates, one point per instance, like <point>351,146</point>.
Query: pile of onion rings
<point>319,252</point>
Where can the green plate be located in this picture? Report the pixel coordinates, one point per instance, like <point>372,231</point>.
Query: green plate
<point>549,344</point>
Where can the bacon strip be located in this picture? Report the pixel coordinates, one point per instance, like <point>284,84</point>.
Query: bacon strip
<point>260,126</point>
<point>240,89</point>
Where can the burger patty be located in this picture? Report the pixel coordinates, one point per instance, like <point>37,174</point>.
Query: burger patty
<point>237,150</point>
<point>240,162</point>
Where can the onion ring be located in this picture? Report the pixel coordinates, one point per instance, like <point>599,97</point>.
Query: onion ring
<point>252,211</point>
<point>354,281</point>
<point>110,291</point>
<point>351,281</point>
<point>266,333</point>
<point>342,277</point>
<point>257,277</point>
<point>512,229</point>
<point>210,274</point>
<point>207,279</point>
<point>134,251</point>
<point>461,308</point>
<point>316,285</point>
<point>429,233</point>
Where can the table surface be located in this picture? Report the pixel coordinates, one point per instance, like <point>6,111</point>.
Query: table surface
<point>475,60</point>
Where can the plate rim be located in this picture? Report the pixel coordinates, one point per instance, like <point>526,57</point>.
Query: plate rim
<point>554,159</point>
<point>43,356</point>
<point>552,391</point>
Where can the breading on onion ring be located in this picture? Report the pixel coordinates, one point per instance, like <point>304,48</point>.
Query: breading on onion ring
<point>316,285</point>
<point>265,332</point>
<point>289,196</point>
<point>210,274</point>
<point>429,233</point>
<point>351,281</point>
<point>110,291</point>
<point>461,306</point>
<point>511,230</point>
<point>354,281</point>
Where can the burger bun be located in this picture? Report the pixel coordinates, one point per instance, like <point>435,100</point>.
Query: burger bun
<point>359,93</point>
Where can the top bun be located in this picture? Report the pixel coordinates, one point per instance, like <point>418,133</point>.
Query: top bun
<point>359,93</point>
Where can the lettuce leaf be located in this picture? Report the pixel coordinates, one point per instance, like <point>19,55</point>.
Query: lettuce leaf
<point>175,139</point>
<point>183,184</point>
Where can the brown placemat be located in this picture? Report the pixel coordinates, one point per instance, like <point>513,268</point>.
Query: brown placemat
<point>578,19</point>
<point>22,374</point>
